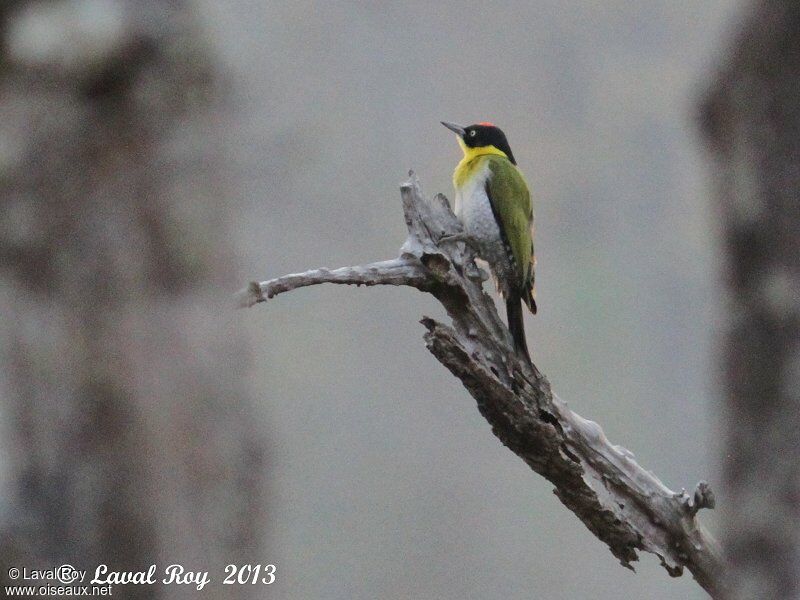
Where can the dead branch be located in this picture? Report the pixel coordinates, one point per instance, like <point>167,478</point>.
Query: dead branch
<point>624,505</point>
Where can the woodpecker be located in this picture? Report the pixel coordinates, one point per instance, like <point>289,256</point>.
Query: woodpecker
<point>494,205</point>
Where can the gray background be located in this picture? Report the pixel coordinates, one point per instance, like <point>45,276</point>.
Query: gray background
<point>385,481</point>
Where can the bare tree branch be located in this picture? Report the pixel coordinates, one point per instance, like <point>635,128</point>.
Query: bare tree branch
<point>624,505</point>
<point>388,272</point>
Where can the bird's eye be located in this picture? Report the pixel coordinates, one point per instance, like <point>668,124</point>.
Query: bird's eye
<point>473,133</point>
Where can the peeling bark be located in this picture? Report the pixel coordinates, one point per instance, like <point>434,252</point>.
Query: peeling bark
<point>625,506</point>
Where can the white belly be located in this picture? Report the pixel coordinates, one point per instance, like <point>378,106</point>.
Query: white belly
<point>474,210</point>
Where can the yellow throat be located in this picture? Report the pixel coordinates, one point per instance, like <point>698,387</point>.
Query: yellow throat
<point>468,166</point>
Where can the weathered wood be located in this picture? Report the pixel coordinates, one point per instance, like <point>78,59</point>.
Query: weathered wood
<point>625,506</point>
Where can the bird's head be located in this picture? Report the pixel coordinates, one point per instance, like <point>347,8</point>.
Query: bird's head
<point>481,135</point>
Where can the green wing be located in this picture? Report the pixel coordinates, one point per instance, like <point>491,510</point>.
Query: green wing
<point>511,201</point>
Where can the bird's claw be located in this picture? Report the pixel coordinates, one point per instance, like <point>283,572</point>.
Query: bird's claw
<point>472,270</point>
<point>459,237</point>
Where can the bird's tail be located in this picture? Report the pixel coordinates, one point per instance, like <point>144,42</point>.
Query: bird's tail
<point>516,325</point>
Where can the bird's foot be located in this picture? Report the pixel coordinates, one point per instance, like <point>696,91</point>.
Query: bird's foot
<point>472,271</point>
<point>462,236</point>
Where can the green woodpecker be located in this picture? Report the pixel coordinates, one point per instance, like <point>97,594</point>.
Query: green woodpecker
<point>494,205</point>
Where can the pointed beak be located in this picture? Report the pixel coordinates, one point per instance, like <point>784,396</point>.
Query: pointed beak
<point>457,129</point>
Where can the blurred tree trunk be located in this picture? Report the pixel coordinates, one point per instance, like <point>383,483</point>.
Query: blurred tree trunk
<point>752,121</point>
<point>130,436</point>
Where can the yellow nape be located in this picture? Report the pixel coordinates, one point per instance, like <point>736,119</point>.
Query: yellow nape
<point>468,166</point>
